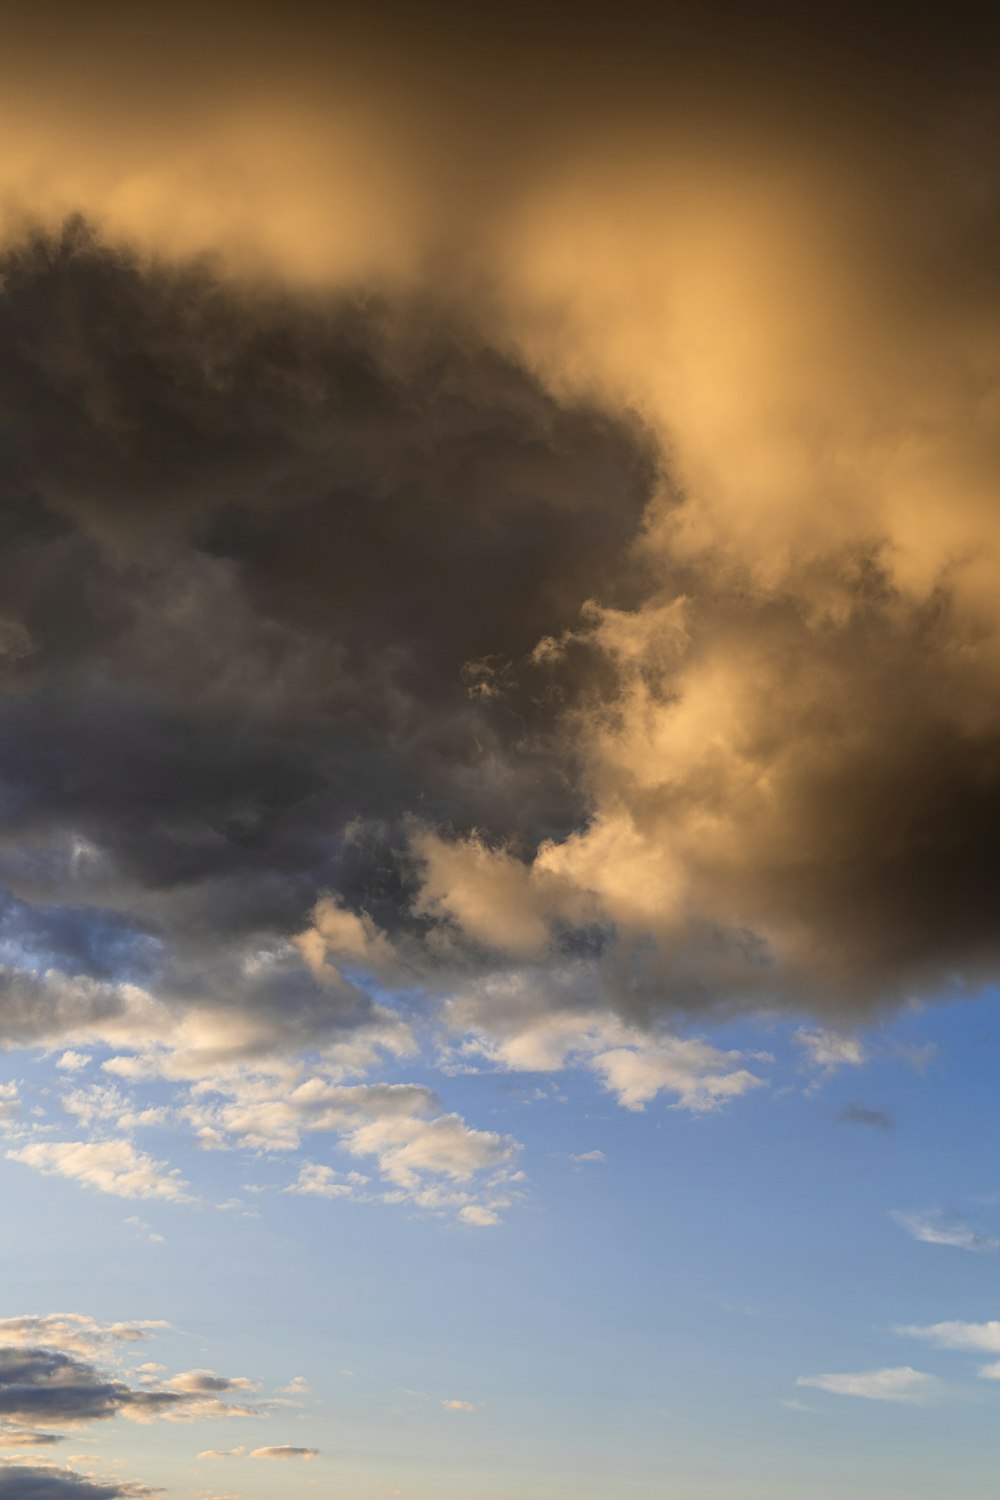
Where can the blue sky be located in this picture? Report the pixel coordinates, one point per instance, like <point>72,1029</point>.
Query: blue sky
<point>637,1320</point>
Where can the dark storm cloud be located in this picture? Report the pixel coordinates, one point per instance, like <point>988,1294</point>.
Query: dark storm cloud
<point>252,545</point>
<point>303,540</point>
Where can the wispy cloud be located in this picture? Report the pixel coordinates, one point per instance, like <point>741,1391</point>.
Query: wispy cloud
<point>284,1450</point>
<point>933,1227</point>
<point>901,1384</point>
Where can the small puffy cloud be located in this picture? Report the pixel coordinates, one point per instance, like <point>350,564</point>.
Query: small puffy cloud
<point>830,1050</point>
<point>285,1450</point>
<point>407,1148</point>
<point>223,1452</point>
<point>585,1156</point>
<point>466,1406</point>
<point>341,936</point>
<point>479,1215</point>
<point>935,1228</point>
<point>207,1382</point>
<point>113,1166</point>
<point>72,1062</point>
<point>701,1076</point>
<point>140,1224</point>
<point>297,1386</point>
<point>902,1384</point>
<point>318,1181</point>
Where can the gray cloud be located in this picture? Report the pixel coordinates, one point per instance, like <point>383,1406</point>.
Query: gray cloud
<point>52,1387</point>
<point>47,1482</point>
<point>864,1114</point>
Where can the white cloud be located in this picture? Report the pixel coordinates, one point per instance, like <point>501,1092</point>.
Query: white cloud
<point>465,1406</point>
<point>297,1386</point>
<point>830,1050</point>
<point>72,1062</point>
<point>316,1180</point>
<point>700,1075</point>
<point>506,1023</point>
<point>479,1215</point>
<point>934,1228</point>
<point>982,1338</point>
<point>106,1102</point>
<point>223,1452</point>
<point>76,1333</point>
<point>902,1384</point>
<point>584,1156</point>
<point>416,1151</point>
<point>107,1166</point>
<point>408,1147</point>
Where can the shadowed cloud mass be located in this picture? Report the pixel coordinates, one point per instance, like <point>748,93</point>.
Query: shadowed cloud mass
<point>547,596</point>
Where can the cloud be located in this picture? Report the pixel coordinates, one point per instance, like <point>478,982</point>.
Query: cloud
<point>701,1076</point>
<point>317,1180</point>
<point>569,664</point>
<point>479,1215</point>
<point>24,1437</point>
<point>511,1026</point>
<point>417,1152</point>
<point>284,1450</point>
<point>223,1453</point>
<point>72,1062</point>
<point>830,1051</point>
<point>106,1102</point>
<point>902,1384</point>
<point>113,1166</point>
<point>46,1385</point>
<point>585,1156</point>
<point>981,1338</point>
<point>208,1383</point>
<point>932,1227</point>
<point>10,1105</point>
<point>864,1114</point>
<point>76,1333</point>
<point>461,1406</point>
<point>297,1386</point>
<point>34,1481</point>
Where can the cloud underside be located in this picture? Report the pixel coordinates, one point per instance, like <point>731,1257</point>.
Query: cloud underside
<point>50,1482</point>
<point>549,602</point>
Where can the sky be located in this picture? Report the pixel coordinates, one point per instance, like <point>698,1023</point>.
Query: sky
<point>499,752</point>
